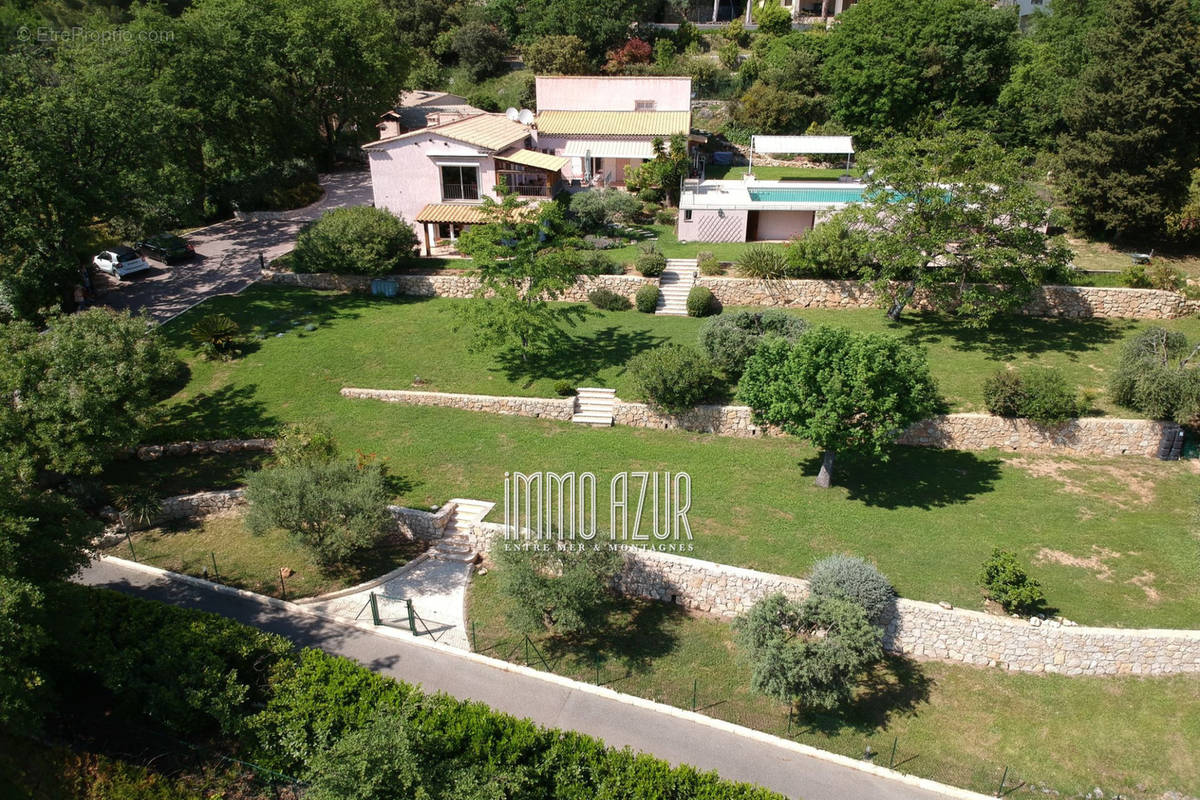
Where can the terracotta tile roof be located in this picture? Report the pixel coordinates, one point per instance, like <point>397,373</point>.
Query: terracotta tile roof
<point>532,158</point>
<point>489,131</point>
<point>451,212</point>
<point>614,123</point>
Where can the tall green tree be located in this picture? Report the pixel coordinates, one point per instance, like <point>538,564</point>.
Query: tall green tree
<point>892,63</point>
<point>525,260</point>
<point>842,391</point>
<point>954,217</point>
<point>1133,120</point>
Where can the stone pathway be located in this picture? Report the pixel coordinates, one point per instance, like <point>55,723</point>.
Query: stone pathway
<point>435,582</point>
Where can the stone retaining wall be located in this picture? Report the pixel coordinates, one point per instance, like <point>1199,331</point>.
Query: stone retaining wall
<point>153,452</point>
<point>562,408</point>
<point>459,286</point>
<point>1048,301</point>
<point>424,525</point>
<point>1087,436</point>
<point>918,629</point>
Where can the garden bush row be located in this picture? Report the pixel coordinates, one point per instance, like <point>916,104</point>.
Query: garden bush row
<point>347,732</point>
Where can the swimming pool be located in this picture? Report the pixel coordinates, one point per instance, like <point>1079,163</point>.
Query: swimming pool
<point>788,194</point>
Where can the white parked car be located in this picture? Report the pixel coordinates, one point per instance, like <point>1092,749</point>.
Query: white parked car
<point>120,261</point>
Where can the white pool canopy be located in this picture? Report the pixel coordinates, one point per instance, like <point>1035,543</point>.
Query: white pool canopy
<point>842,145</point>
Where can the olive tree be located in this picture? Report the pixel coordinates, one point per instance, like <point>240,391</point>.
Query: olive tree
<point>841,390</point>
<point>555,585</point>
<point>810,655</point>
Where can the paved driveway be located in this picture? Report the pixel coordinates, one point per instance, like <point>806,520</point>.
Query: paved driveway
<point>228,255</point>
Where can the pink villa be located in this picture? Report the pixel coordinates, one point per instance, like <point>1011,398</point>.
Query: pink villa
<point>440,158</point>
<point>586,132</point>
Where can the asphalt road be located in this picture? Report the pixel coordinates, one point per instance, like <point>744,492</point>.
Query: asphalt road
<point>227,255</point>
<point>677,740</point>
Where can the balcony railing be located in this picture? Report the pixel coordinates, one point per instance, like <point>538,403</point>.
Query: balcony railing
<point>460,191</point>
<point>528,190</point>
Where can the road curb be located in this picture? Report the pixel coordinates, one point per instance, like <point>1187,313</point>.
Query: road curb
<point>569,683</point>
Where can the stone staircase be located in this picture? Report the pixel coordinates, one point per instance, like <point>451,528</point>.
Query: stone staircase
<point>594,406</point>
<point>455,544</point>
<point>674,284</point>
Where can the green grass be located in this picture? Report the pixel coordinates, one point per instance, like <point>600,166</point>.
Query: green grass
<point>369,342</point>
<point>928,518</point>
<point>952,723</point>
<point>252,562</point>
<point>717,172</point>
<point>1100,255</point>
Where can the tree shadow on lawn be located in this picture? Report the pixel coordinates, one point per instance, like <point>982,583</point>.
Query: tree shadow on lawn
<point>577,358</point>
<point>895,687</point>
<point>225,413</point>
<point>634,633</point>
<point>912,477</point>
<point>1015,335</point>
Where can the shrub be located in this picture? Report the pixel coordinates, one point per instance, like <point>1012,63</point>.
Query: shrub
<point>730,339</point>
<point>218,335</point>
<point>646,298</point>
<point>672,378</point>
<point>666,216</point>
<point>1004,393</point>
<point>564,389</point>
<point>608,300</point>
<point>833,249</point>
<point>597,209</point>
<point>854,579</point>
<point>1006,582</point>
<point>700,302</point>
<point>359,240</point>
<point>812,654</point>
<point>557,55</point>
<point>594,262</point>
<point>1037,393</point>
<point>1134,276</point>
<point>729,54</point>
<point>634,51</point>
<point>1157,375</point>
<point>773,20</point>
<point>650,261</point>
<point>302,443</point>
<point>762,261</point>
<point>708,264</point>
<point>773,110</point>
<point>335,510</point>
<point>1164,276</point>
<point>557,589</point>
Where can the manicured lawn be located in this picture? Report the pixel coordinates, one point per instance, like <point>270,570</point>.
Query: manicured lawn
<point>251,562</point>
<point>412,343</point>
<point>1112,540</point>
<point>717,172</point>
<point>953,723</point>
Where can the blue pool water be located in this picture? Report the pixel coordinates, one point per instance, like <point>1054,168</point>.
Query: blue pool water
<point>779,194</point>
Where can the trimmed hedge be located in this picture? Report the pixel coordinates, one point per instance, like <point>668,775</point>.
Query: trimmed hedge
<point>646,298</point>
<point>651,262</point>
<point>1037,393</point>
<point>198,674</point>
<point>672,378</point>
<point>358,240</point>
<point>608,300</point>
<point>700,302</point>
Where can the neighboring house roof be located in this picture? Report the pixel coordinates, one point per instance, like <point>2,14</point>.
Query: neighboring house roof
<point>532,158</point>
<point>421,97</point>
<point>614,123</point>
<point>451,212</point>
<point>488,131</point>
<point>427,115</point>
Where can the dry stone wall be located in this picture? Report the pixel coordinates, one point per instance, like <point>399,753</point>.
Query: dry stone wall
<point>1048,301</point>
<point>918,629</point>
<point>153,452</point>
<point>1087,436</point>
<point>550,407</point>
<point>459,286</point>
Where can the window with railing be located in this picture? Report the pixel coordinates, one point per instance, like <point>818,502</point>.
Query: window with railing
<point>460,183</point>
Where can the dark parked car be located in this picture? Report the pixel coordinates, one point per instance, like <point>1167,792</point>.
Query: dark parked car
<point>166,247</point>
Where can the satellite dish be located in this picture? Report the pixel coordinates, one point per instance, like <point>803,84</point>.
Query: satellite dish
<point>511,113</point>
<point>525,117</point>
